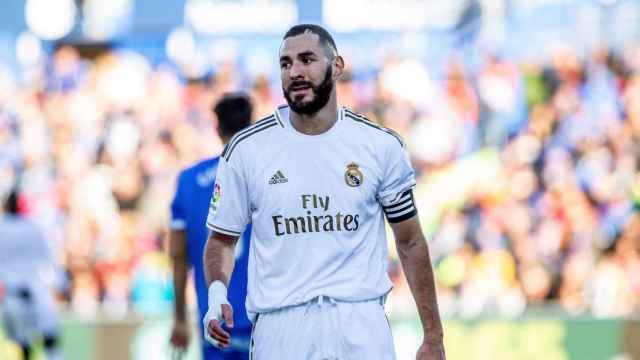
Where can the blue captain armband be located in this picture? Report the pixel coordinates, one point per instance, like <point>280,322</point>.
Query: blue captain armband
<point>402,209</point>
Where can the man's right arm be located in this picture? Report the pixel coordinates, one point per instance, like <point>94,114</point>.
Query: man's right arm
<point>219,257</point>
<point>219,260</point>
<point>228,217</point>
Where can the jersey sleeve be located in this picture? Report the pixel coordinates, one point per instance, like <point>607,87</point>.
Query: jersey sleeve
<point>229,207</point>
<point>396,192</point>
<point>178,216</point>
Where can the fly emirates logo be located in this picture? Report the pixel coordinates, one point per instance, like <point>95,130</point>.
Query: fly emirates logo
<point>317,219</point>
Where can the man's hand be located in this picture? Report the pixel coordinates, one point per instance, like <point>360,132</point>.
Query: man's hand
<point>219,312</point>
<point>431,351</point>
<point>180,335</point>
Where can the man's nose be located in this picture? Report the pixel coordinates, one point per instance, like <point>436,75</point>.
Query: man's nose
<point>296,72</point>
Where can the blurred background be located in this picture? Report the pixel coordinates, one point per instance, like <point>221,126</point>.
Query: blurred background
<point>522,118</point>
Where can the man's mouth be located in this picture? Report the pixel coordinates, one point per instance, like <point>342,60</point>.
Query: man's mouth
<point>300,87</point>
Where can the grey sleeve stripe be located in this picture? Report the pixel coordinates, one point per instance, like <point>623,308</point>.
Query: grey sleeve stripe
<point>265,126</point>
<point>222,230</point>
<point>258,123</point>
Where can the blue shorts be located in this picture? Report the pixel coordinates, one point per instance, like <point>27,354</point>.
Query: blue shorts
<point>238,350</point>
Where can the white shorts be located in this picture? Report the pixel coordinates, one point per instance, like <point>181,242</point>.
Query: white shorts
<point>324,329</point>
<point>26,316</point>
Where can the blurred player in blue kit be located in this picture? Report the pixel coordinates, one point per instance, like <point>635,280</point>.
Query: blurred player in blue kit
<point>28,275</point>
<point>189,234</point>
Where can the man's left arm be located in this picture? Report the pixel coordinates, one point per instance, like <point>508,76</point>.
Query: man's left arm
<point>414,256</point>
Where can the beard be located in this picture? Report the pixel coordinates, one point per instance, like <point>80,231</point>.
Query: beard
<point>322,94</point>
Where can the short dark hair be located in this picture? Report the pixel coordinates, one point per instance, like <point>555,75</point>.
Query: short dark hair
<point>11,205</point>
<point>326,40</point>
<point>234,112</point>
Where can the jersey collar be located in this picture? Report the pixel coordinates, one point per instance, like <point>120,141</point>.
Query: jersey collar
<point>282,116</point>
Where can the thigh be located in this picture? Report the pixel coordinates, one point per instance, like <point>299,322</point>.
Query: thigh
<point>365,332</point>
<point>288,334</point>
<point>47,316</point>
<point>19,320</point>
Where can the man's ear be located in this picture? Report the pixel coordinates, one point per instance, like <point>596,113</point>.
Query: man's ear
<point>338,67</point>
<point>219,131</point>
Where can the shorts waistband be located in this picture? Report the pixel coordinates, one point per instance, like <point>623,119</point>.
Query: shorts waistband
<point>320,300</point>
<point>323,299</point>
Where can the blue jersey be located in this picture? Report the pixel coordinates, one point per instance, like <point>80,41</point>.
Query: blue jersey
<point>189,213</point>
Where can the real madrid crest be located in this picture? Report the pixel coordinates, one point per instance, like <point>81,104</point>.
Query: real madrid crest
<point>353,176</point>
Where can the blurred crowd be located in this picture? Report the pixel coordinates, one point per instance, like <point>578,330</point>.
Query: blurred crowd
<point>545,212</point>
<point>537,157</point>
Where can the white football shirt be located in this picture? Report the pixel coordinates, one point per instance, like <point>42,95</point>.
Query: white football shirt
<point>316,203</point>
<point>25,257</point>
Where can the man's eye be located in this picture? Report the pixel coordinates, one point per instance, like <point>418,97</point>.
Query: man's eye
<point>307,60</point>
<point>285,65</point>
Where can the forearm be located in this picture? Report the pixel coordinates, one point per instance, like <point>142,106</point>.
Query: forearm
<point>178,252</point>
<point>416,263</point>
<point>180,271</point>
<point>219,258</point>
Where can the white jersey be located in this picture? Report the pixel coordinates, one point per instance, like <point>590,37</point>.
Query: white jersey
<point>25,257</point>
<point>27,271</point>
<point>316,204</point>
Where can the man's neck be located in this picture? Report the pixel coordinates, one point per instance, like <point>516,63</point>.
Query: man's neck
<point>318,123</point>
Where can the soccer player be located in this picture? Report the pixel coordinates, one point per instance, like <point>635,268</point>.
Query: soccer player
<point>316,180</point>
<point>28,272</point>
<point>189,234</point>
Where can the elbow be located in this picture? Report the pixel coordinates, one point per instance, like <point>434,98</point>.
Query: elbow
<point>178,256</point>
<point>178,247</point>
<point>411,244</point>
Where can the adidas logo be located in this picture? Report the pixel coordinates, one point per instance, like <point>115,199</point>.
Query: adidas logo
<point>278,178</point>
